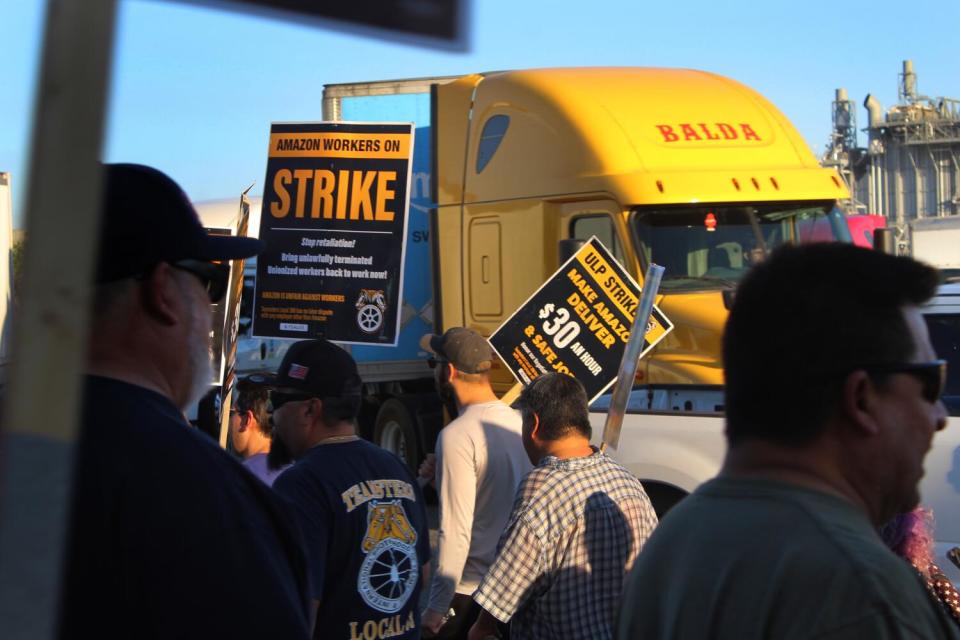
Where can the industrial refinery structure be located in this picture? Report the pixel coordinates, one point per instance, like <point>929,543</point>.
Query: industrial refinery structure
<point>910,168</point>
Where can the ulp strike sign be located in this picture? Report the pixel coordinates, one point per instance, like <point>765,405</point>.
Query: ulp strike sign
<point>334,220</point>
<point>578,323</point>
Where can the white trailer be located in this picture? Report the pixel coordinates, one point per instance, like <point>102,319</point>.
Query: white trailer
<point>937,241</point>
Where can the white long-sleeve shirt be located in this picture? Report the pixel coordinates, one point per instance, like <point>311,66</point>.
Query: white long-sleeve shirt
<point>480,462</point>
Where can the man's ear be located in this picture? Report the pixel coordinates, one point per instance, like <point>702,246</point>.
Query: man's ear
<point>535,427</point>
<point>859,402</point>
<point>245,418</point>
<point>161,294</point>
<point>315,407</point>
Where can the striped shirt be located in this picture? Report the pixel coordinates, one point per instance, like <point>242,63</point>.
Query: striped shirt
<point>576,528</point>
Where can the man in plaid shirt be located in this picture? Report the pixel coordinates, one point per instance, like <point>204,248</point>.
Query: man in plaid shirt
<point>578,523</point>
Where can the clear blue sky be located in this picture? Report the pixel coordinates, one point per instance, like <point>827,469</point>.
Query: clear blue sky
<point>194,90</point>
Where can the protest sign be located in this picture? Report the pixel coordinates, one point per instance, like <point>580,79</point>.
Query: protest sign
<point>334,220</point>
<point>578,323</point>
<point>233,300</point>
<point>427,23</point>
<point>226,346</point>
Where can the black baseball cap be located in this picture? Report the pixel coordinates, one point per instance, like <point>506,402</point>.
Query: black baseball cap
<point>148,219</point>
<point>464,348</point>
<point>317,368</point>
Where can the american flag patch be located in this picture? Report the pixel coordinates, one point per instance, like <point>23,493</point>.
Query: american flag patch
<point>298,371</point>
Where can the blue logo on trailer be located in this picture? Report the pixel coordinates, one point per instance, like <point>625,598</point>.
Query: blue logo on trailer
<point>416,315</point>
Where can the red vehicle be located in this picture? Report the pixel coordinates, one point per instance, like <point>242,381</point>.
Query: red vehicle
<point>862,227</point>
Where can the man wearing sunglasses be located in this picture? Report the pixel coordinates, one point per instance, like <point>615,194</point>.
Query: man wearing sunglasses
<point>170,535</point>
<point>359,507</point>
<point>832,401</point>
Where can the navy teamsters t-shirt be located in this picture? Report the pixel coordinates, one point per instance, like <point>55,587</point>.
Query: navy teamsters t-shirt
<point>365,525</point>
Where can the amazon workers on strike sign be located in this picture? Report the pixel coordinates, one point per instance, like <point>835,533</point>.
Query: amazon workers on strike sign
<point>334,220</point>
<point>578,323</point>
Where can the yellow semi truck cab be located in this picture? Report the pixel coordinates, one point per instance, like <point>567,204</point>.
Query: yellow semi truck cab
<point>511,169</point>
<point>687,169</point>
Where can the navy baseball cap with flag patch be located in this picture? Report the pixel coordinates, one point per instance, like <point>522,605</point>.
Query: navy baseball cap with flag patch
<point>317,368</point>
<point>148,219</point>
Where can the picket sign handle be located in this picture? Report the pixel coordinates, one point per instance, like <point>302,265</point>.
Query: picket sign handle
<point>631,356</point>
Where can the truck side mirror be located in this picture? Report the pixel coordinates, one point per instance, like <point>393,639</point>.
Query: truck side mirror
<point>884,240</point>
<point>569,246</point>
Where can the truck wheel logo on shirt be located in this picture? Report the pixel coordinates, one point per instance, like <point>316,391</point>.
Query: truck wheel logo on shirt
<point>389,573</point>
<point>370,308</point>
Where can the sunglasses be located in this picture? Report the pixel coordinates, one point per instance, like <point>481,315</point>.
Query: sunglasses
<point>932,375</point>
<point>280,398</point>
<point>213,276</point>
<point>434,362</point>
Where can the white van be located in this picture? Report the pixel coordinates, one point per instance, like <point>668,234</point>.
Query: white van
<point>673,449</point>
<point>940,489</point>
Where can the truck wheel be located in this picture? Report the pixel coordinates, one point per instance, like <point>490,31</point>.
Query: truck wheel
<point>395,431</point>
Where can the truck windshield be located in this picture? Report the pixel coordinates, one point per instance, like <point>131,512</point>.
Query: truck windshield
<point>712,246</point>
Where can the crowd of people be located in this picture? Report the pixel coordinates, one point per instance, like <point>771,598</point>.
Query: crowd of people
<point>808,531</point>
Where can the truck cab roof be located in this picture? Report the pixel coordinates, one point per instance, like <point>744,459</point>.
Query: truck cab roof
<point>649,135</point>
